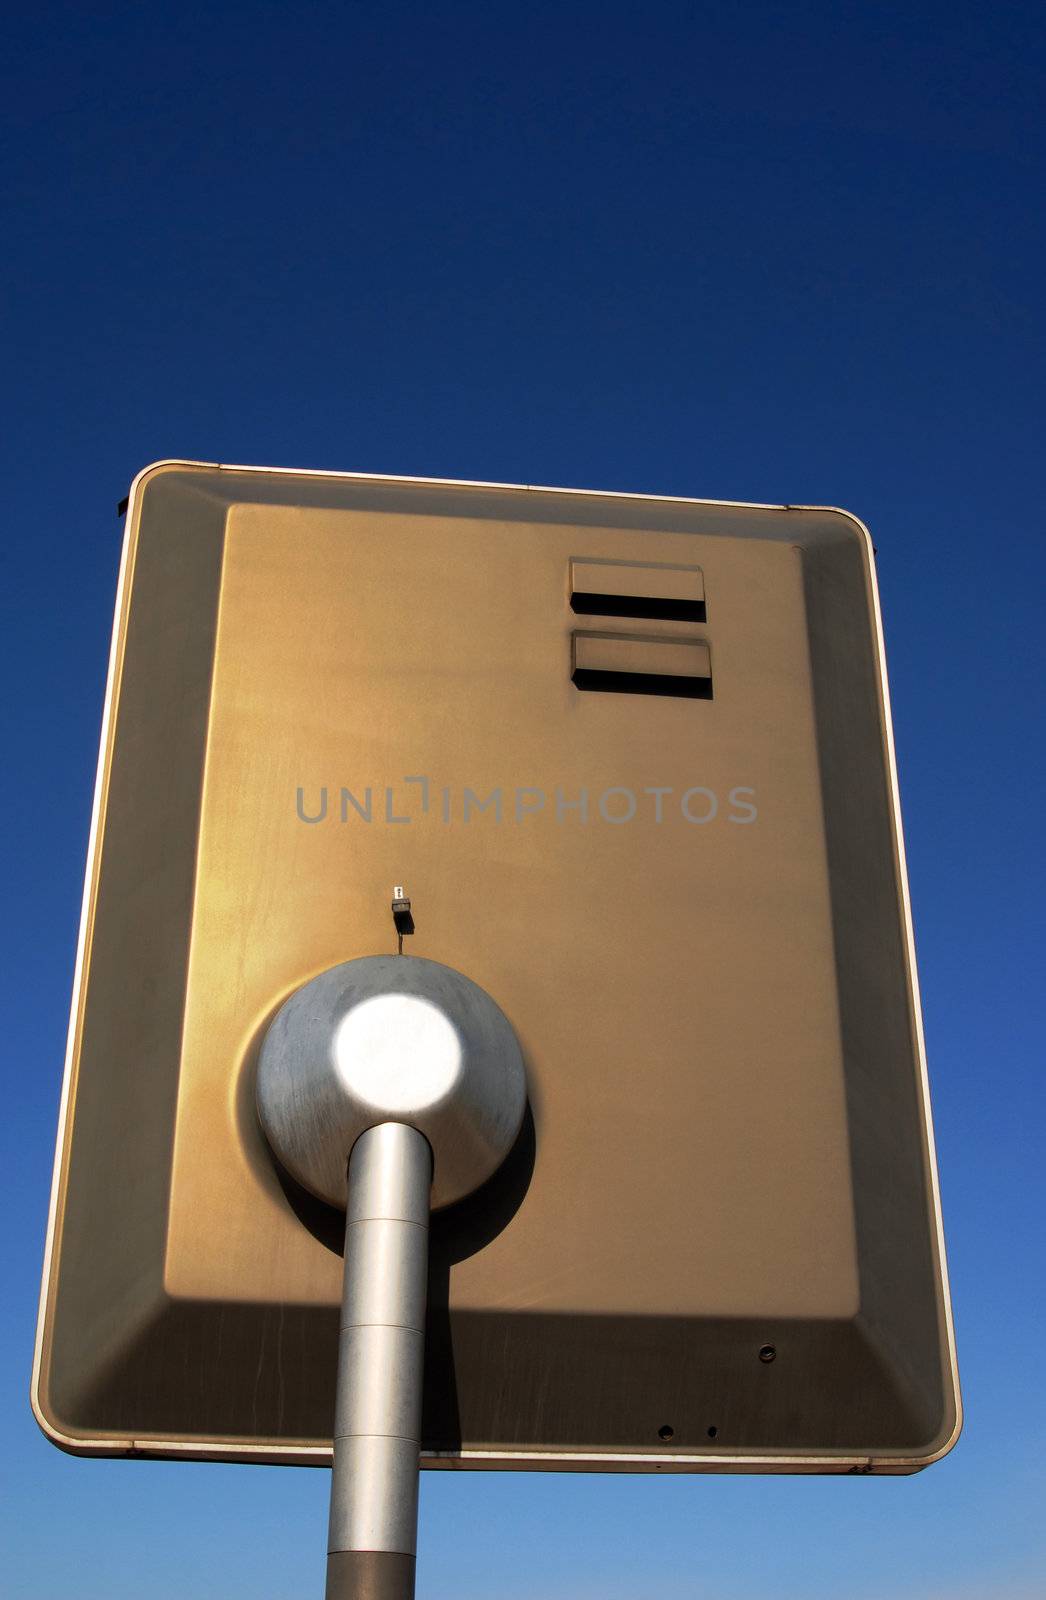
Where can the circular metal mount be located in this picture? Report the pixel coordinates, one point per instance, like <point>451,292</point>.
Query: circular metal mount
<point>391,1039</point>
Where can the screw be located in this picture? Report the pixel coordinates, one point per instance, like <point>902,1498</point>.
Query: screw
<point>768,1352</point>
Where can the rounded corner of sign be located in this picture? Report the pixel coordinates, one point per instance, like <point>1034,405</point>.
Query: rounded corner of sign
<point>944,1442</point>
<point>57,1431</point>
<point>854,528</point>
<point>952,1438</point>
<point>834,525</point>
<point>162,468</point>
<point>157,469</point>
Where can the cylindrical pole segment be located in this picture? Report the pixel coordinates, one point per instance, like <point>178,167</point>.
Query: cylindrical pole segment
<point>377,1425</point>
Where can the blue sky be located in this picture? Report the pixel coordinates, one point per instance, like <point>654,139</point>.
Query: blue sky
<point>766,252</point>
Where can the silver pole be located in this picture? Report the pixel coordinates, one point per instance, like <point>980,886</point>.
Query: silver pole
<point>388,1059</point>
<point>377,1427</point>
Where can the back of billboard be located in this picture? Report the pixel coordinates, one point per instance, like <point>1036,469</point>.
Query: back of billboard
<point>632,758</point>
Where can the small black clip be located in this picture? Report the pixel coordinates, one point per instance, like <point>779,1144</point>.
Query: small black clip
<point>401,914</point>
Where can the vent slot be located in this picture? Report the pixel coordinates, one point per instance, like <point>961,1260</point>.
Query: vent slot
<point>637,589</point>
<point>622,663</point>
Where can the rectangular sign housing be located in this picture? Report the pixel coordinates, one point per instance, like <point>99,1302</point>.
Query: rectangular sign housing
<point>717,1245</point>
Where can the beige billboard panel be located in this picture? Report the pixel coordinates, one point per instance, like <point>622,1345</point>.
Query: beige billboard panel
<point>663,836</point>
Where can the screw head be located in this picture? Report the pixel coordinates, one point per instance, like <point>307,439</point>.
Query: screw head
<point>768,1352</point>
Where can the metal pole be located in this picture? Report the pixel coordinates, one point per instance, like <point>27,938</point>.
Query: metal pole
<point>388,1059</point>
<point>377,1428</point>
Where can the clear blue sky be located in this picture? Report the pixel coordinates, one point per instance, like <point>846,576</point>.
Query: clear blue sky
<point>770,252</point>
